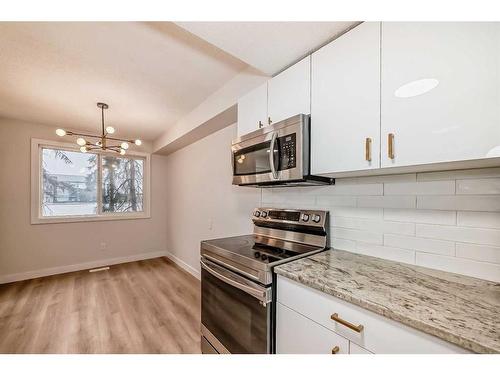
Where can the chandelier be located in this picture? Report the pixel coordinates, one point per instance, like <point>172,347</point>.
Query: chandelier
<point>103,140</point>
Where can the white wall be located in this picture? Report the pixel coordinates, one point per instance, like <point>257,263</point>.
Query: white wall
<point>200,195</point>
<point>28,250</point>
<point>442,220</point>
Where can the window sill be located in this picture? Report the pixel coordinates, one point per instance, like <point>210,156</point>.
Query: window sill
<point>79,219</point>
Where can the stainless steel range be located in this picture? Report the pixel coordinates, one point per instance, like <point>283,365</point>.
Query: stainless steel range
<point>237,280</point>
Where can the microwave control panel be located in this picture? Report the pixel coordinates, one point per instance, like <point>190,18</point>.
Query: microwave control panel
<point>287,145</point>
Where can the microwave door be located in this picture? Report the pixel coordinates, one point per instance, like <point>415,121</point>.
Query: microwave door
<point>256,163</point>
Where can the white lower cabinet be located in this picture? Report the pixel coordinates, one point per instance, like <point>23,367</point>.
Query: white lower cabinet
<point>296,334</point>
<point>356,349</point>
<point>377,335</point>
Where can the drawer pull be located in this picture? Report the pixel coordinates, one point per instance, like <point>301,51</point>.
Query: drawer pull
<point>368,149</point>
<point>335,350</point>
<point>358,328</point>
<point>260,124</point>
<point>269,121</point>
<point>390,145</point>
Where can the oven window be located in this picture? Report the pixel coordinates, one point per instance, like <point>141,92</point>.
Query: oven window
<point>234,317</point>
<point>252,160</point>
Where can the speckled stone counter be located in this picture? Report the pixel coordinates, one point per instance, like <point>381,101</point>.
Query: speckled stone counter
<point>459,309</point>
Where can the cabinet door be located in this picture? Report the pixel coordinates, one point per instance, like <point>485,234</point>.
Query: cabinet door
<point>296,334</point>
<point>289,93</point>
<point>345,102</point>
<point>440,92</point>
<point>356,349</point>
<point>252,110</point>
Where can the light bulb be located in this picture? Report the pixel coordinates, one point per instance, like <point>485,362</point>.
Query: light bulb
<point>81,142</point>
<point>124,145</point>
<point>110,129</point>
<point>122,152</point>
<point>138,142</point>
<point>61,132</point>
<point>83,149</point>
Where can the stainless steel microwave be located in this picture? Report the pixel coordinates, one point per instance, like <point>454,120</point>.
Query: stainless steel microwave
<point>275,155</point>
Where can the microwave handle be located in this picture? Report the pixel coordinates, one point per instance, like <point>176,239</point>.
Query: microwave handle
<point>271,155</point>
<point>261,294</point>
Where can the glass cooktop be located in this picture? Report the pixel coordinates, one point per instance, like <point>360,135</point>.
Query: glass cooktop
<point>264,249</point>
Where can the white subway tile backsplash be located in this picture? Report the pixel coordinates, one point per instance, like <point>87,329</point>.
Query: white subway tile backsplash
<point>342,244</point>
<point>363,189</point>
<point>459,174</point>
<point>478,219</point>
<point>445,220</point>
<point>420,188</point>
<point>336,201</point>
<point>367,213</point>
<point>391,253</point>
<point>481,186</point>
<point>357,235</point>
<point>380,226</point>
<point>421,216</point>
<point>394,178</point>
<point>387,202</point>
<point>479,252</point>
<point>483,270</point>
<point>420,244</point>
<point>460,234</point>
<point>459,202</point>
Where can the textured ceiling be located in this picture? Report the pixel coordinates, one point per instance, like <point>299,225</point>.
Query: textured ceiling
<point>150,74</point>
<point>267,46</point>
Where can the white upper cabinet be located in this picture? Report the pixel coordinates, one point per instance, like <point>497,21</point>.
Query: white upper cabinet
<point>345,102</point>
<point>252,110</point>
<point>289,93</point>
<point>440,92</point>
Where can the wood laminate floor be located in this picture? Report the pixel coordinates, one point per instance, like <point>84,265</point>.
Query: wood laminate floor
<point>150,306</point>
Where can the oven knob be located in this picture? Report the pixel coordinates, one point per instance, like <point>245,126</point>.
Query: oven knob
<point>305,217</point>
<point>316,218</point>
<point>256,254</point>
<point>263,257</point>
<point>264,214</point>
<point>256,213</point>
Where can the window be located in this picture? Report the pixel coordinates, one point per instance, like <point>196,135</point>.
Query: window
<point>68,185</point>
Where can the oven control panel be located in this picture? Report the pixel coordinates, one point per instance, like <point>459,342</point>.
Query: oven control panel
<point>314,218</point>
<point>288,147</point>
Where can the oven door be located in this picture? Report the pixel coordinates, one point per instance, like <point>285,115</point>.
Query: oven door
<point>235,312</point>
<point>271,154</point>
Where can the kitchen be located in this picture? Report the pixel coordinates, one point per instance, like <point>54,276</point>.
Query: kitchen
<point>338,196</point>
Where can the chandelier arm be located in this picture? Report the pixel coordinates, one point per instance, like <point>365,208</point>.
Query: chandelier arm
<point>120,139</point>
<point>83,135</point>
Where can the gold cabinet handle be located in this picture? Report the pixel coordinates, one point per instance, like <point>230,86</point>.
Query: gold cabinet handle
<point>335,349</point>
<point>358,328</point>
<point>260,124</point>
<point>390,145</point>
<point>269,121</point>
<point>368,149</point>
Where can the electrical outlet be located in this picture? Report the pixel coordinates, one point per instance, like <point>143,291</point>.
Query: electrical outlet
<point>104,245</point>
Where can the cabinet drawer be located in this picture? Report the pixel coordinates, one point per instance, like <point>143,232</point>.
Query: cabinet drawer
<point>379,334</point>
<point>296,334</point>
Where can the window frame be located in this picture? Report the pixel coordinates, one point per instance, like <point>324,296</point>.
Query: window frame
<point>36,186</point>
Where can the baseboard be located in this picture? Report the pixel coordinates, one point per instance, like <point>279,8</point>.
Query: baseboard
<point>193,271</point>
<point>79,267</point>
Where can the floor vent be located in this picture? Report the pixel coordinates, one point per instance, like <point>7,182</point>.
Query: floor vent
<point>99,269</point>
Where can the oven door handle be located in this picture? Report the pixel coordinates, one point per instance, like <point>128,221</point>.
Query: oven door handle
<point>271,155</point>
<point>262,294</point>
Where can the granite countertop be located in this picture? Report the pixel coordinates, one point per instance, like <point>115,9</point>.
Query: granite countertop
<point>462,310</point>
